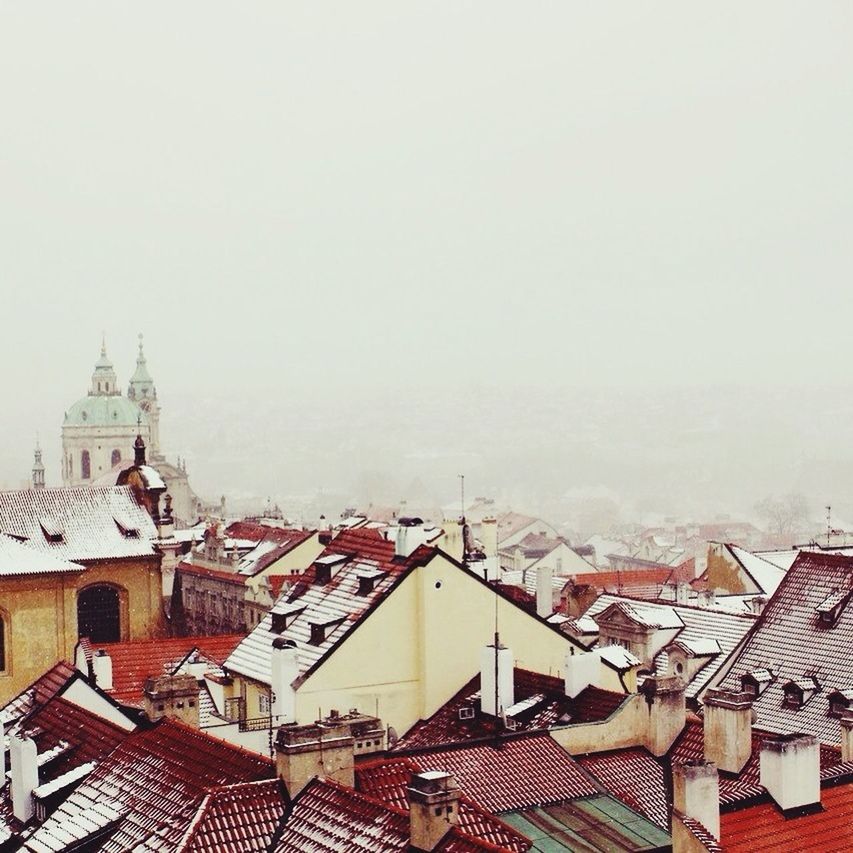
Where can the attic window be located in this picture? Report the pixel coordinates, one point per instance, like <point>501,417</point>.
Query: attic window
<point>283,615</point>
<point>756,681</point>
<point>325,568</point>
<point>318,634</point>
<point>52,530</point>
<point>126,527</point>
<point>832,606</point>
<point>367,580</point>
<point>798,692</point>
<point>840,701</point>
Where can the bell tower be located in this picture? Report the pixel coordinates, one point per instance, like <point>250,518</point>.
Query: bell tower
<point>104,382</point>
<point>143,392</point>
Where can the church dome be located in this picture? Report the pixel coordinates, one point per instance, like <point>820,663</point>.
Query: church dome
<point>112,410</point>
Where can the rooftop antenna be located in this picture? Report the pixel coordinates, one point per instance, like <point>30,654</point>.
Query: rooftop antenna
<point>828,524</point>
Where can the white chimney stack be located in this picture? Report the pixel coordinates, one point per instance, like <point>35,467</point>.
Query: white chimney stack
<point>696,794</point>
<point>25,776</point>
<point>102,666</point>
<point>409,536</point>
<point>790,770</point>
<point>284,666</point>
<point>544,591</point>
<point>582,669</point>
<point>846,737</point>
<point>728,729</point>
<point>505,693</point>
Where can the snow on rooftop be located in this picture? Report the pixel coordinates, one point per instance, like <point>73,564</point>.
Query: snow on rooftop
<point>17,558</point>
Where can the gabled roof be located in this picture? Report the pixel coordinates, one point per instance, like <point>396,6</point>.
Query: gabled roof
<point>547,702</point>
<point>153,776</point>
<point>765,574</point>
<point>239,818</point>
<point>252,531</point>
<point>516,773</point>
<point>134,661</point>
<point>17,558</point>
<point>337,603</point>
<point>790,638</point>
<point>700,624</point>
<point>642,583</point>
<point>329,818</point>
<point>79,524</point>
<point>44,688</point>
<point>511,523</point>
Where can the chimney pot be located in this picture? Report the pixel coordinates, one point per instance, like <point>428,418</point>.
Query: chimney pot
<point>790,770</point>
<point>544,591</point>
<point>433,808</point>
<point>25,776</point>
<point>728,729</point>
<point>696,794</point>
<point>102,667</point>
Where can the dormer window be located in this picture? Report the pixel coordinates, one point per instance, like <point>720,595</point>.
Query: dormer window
<point>797,692</point>
<point>282,616</point>
<point>318,634</point>
<point>367,580</point>
<point>830,609</point>
<point>126,527</point>
<point>325,568</point>
<point>756,681</point>
<point>52,530</point>
<point>840,701</point>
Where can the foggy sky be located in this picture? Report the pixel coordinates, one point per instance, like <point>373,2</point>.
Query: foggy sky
<point>306,206</point>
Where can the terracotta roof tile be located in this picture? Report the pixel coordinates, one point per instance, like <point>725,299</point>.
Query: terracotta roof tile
<point>39,692</point>
<point>830,829</point>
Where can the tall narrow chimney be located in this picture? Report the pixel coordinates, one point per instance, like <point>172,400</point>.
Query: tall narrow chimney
<point>790,770</point>
<point>504,695</point>
<point>846,737</point>
<point>582,670</point>
<point>284,664</point>
<point>667,712</point>
<point>433,809</point>
<point>544,591</point>
<point>695,794</point>
<point>25,776</point>
<point>102,666</point>
<point>728,729</point>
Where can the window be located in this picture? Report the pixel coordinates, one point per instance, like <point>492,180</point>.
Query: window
<point>264,704</point>
<point>98,616</point>
<point>318,634</point>
<point>85,465</point>
<point>2,643</point>
<point>115,458</point>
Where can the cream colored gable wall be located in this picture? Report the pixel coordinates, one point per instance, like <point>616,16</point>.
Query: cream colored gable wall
<point>376,669</point>
<point>422,644</point>
<point>299,557</point>
<point>570,563</point>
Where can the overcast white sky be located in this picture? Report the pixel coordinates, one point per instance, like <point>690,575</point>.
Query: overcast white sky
<point>352,194</point>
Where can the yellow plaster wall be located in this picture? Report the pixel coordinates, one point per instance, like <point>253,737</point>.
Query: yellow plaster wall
<point>40,615</point>
<point>299,558</point>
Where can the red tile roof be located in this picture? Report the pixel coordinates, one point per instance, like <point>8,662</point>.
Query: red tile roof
<point>830,829</point>
<point>698,830</point>
<point>388,781</point>
<point>150,778</point>
<point>445,727</point>
<point>254,532</point>
<point>635,777</point>
<point>222,575</point>
<point>134,661</point>
<point>790,635</point>
<point>39,692</point>
<point>231,819</point>
<point>517,773</point>
<point>328,818</point>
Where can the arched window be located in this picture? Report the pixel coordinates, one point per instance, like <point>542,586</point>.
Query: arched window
<point>115,458</point>
<point>85,465</point>
<point>98,614</point>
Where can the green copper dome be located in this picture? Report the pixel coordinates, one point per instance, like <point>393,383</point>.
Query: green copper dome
<point>103,410</point>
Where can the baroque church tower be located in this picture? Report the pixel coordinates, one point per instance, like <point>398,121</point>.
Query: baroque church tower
<point>141,390</point>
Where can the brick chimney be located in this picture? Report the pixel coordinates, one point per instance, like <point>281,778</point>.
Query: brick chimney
<point>284,665</point>
<point>728,729</point>
<point>695,794</point>
<point>102,669</point>
<point>433,808</point>
<point>25,776</point>
<point>172,696</point>
<point>667,712</point>
<point>505,693</point>
<point>846,723</point>
<point>544,591</point>
<point>319,749</point>
<point>790,771</point>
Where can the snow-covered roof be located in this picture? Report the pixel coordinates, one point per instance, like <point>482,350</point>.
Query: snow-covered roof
<point>766,575</point>
<point>18,559</point>
<point>618,657</point>
<point>79,523</point>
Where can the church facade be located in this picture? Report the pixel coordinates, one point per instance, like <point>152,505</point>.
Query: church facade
<point>99,431</point>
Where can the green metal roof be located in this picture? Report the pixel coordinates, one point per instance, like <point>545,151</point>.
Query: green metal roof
<point>104,410</point>
<point>589,825</point>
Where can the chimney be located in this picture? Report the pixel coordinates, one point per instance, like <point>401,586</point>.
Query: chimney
<point>409,536</point>
<point>667,713</point>
<point>544,591</point>
<point>582,670</point>
<point>790,771</point>
<point>25,776</point>
<point>319,749</point>
<point>284,663</point>
<point>433,809</point>
<point>728,729</point>
<point>846,737</point>
<point>505,693</point>
<point>172,696</point>
<point>102,669</point>
<point>695,794</point>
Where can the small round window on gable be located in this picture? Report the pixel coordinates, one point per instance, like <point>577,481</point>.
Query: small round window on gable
<point>679,668</point>
<point>438,584</point>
